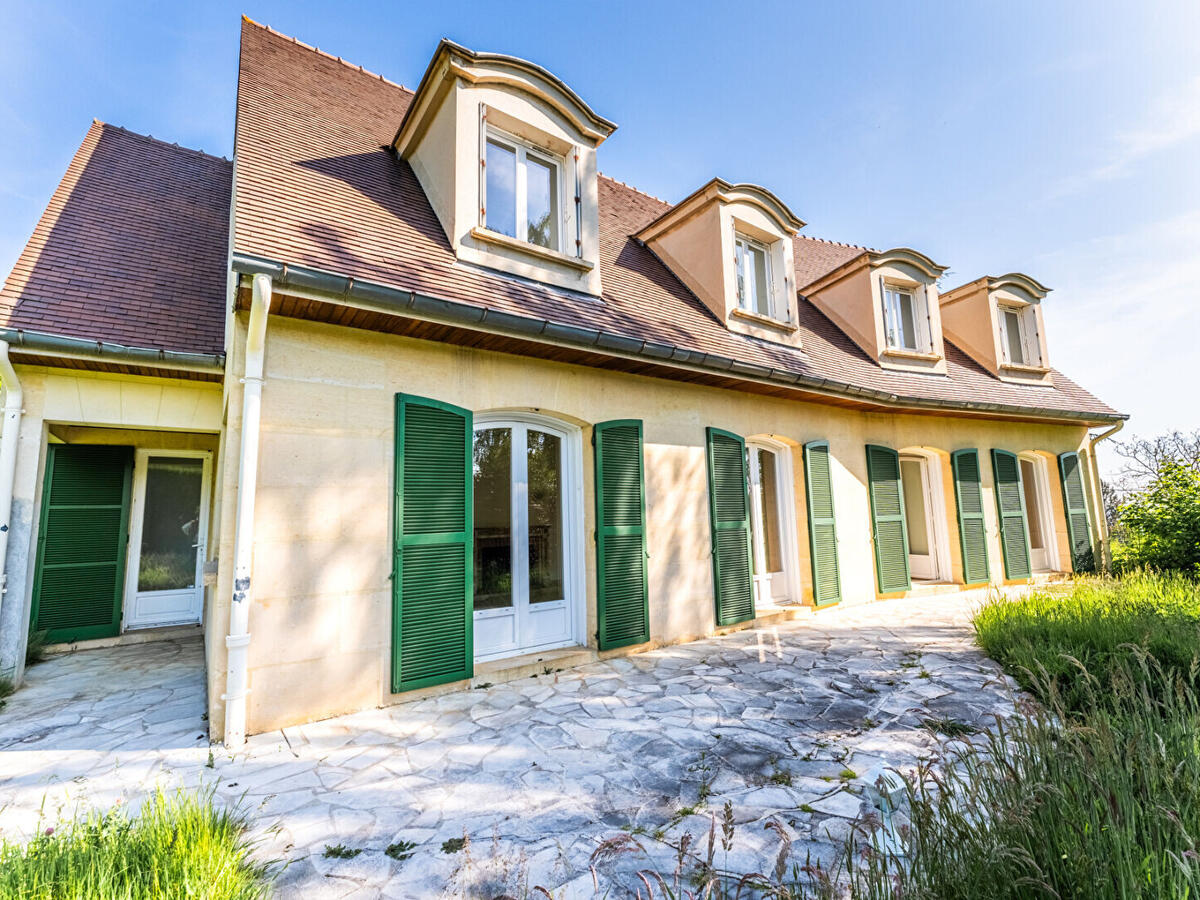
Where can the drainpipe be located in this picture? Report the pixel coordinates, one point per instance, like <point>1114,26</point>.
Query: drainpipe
<point>1098,497</point>
<point>9,437</point>
<point>238,640</point>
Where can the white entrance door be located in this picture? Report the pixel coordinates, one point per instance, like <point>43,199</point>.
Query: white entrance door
<point>168,530</point>
<point>768,500</point>
<point>526,498</point>
<point>1040,531</point>
<point>918,510</point>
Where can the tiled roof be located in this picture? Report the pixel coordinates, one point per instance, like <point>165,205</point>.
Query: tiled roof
<point>318,187</point>
<point>131,249</point>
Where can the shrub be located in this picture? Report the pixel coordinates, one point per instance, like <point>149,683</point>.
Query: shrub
<point>179,845</point>
<point>1159,528</point>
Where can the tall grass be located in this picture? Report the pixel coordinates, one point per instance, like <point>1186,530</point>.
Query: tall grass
<point>179,845</point>
<point>1095,792</point>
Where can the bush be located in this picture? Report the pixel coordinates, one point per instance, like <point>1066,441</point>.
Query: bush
<point>177,846</point>
<point>1159,528</point>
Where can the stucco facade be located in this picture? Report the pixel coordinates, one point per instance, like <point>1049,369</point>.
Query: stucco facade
<point>320,623</point>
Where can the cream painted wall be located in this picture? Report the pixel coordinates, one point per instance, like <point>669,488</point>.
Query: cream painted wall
<point>75,398</point>
<point>320,620</point>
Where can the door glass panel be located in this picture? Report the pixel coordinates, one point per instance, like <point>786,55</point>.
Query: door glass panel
<point>501,210</point>
<point>545,517</point>
<point>769,503</point>
<point>493,518</point>
<point>914,507</point>
<point>1032,509</point>
<point>170,524</point>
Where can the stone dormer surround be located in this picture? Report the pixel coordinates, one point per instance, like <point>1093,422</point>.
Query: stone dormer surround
<point>697,240</point>
<point>463,97</point>
<point>972,316</point>
<point>852,296</point>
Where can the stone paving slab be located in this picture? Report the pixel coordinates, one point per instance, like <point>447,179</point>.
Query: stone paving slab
<point>782,722</point>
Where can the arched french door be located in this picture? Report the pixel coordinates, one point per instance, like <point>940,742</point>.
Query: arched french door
<point>528,582</point>
<point>772,523</point>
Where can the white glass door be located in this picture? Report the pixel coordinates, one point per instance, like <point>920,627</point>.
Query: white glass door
<point>918,510</point>
<point>1034,506</point>
<point>168,530</point>
<point>768,498</point>
<point>524,596</point>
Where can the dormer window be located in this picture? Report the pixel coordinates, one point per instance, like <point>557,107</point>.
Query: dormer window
<point>903,315</point>
<point>521,193</point>
<point>752,261</point>
<point>1018,338</point>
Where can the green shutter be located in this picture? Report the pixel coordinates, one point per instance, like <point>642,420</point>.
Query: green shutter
<point>729,515</point>
<point>79,578</point>
<point>889,530</point>
<point>822,536</point>
<point>972,530</point>
<point>622,603</point>
<point>1010,504</point>
<point>432,565</point>
<point>1075,506</point>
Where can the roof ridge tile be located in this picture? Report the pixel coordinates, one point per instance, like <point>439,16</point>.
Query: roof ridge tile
<point>159,141</point>
<point>636,190</point>
<point>325,53</point>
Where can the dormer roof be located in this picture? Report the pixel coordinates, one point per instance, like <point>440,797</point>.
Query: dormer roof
<point>510,73</point>
<point>721,190</point>
<point>1026,283</point>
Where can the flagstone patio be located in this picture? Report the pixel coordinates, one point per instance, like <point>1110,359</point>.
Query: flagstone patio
<point>536,773</point>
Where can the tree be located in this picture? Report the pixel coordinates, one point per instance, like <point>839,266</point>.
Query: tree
<point>1146,458</point>
<point>1160,526</point>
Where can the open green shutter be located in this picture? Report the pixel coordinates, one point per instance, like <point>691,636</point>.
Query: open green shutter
<point>79,577</point>
<point>432,564</point>
<point>729,514</point>
<point>822,535</point>
<point>889,529</point>
<point>1075,506</point>
<point>623,607</point>
<point>972,530</point>
<point>1010,504</point>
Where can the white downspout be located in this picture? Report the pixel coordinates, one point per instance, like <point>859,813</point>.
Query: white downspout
<point>238,640</point>
<point>10,435</point>
<point>1098,497</point>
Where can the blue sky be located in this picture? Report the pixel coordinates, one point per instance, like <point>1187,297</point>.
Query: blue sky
<point>1059,139</point>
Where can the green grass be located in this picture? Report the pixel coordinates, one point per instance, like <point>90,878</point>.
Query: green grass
<point>1094,792</point>
<point>179,845</point>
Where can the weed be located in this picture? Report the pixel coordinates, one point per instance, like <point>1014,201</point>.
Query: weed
<point>35,647</point>
<point>400,850</point>
<point>805,808</point>
<point>6,690</point>
<point>340,851</point>
<point>951,728</point>
<point>483,686</point>
<point>847,774</point>
<point>453,845</point>
<point>211,760</point>
<point>781,777</point>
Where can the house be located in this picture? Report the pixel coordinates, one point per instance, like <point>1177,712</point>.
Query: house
<point>408,393</point>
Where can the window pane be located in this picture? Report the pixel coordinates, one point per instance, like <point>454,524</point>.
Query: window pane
<point>769,483</point>
<point>493,518</point>
<point>1032,509</point>
<point>501,171</point>
<point>170,524</point>
<point>1012,328</point>
<point>541,203</point>
<point>739,258</point>
<point>762,297</point>
<point>545,517</point>
<point>908,326</point>
<point>914,507</point>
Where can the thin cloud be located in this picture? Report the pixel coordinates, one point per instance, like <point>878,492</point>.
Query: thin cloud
<point>1172,120</point>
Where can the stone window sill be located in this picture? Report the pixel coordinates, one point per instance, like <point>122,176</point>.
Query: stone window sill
<point>921,355</point>
<point>1025,370</point>
<point>543,254</point>
<point>759,319</point>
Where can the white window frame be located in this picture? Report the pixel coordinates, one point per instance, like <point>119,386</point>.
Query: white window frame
<point>922,327</point>
<point>772,306</point>
<point>523,150</point>
<point>1027,335</point>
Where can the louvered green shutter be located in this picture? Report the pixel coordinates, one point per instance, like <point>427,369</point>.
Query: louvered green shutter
<point>79,578</point>
<point>822,535</point>
<point>623,608</point>
<point>1075,506</point>
<point>890,531</point>
<point>972,530</point>
<point>1010,504</point>
<point>432,564</point>
<point>729,514</point>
